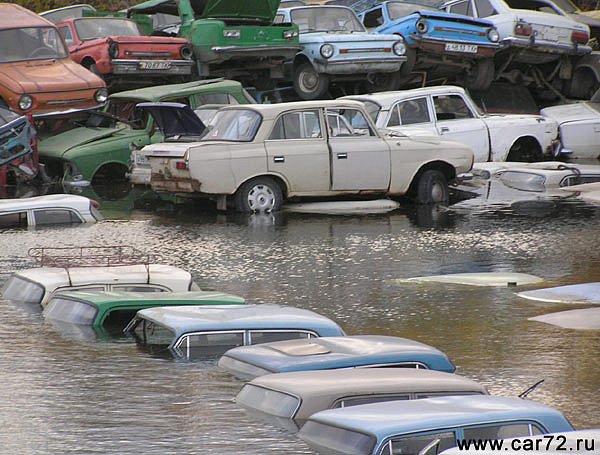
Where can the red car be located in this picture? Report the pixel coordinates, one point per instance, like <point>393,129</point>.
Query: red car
<point>115,49</point>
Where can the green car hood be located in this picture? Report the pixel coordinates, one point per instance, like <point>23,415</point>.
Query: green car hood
<point>57,146</point>
<point>242,10</point>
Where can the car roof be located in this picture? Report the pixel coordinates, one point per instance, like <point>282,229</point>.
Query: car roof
<point>158,92</point>
<point>272,110</point>
<point>339,352</point>
<point>19,17</point>
<point>182,320</point>
<point>46,201</point>
<point>388,98</point>
<point>396,417</point>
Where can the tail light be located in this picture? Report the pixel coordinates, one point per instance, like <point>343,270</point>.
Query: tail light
<point>579,37</point>
<point>523,29</point>
<point>94,204</point>
<point>181,165</point>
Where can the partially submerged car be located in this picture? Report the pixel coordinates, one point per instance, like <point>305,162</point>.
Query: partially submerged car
<point>231,38</point>
<point>18,148</point>
<point>337,48</point>
<point>116,49</point>
<point>199,332</point>
<point>583,293</point>
<point>101,149</point>
<point>581,319</point>
<point>578,127</point>
<point>258,156</point>
<point>361,351</point>
<point>48,210</point>
<point>449,112</point>
<point>439,44</point>
<point>427,426</point>
<point>289,399</point>
<point>37,75</point>
<point>114,310</point>
<point>501,279</point>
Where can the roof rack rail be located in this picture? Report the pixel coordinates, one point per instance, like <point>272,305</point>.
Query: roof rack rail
<point>91,256</point>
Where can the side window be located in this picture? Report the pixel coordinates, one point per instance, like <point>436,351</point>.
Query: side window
<point>66,34</point>
<point>411,445</point>
<point>451,107</point>
<point>205,345</point>
<point>55,216</point>
<point>512,430</point>
<point>348,123</point>
<point>297,125</point>
<point>484,8</point>
<point>11,220</point>
<point>214,98</point>
<point>373,18</point>
<point>258,336</point>
<point>413,111</point>
<point>394,119</point>
<point>461,8</point>
<point>279,19</point>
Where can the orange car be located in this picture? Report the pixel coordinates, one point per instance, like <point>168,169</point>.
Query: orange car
<point>36,74</point>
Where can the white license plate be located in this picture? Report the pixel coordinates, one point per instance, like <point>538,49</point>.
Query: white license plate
<point>457,47</point>
<point>154,65</point>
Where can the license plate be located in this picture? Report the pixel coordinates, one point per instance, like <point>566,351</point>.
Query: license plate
<point>154,65</point>
<point>457,47</point>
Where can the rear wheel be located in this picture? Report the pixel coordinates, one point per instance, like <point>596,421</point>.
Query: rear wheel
<point>309,83</point>
<point>432,188</point>
<point>262,194</point>
<point>383,82</point>
<point>525,150</point>
<point>481,75</point>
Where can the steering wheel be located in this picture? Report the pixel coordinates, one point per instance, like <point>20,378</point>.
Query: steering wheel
<point>41,51</point>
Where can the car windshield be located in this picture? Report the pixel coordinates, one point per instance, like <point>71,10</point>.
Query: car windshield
<point>372,109</point>
<point>93,27</point>
<point>396,10</point>
<point>234,125</point>
<point>31,43</point>
<point>121,110</point>
<point>326,19</point>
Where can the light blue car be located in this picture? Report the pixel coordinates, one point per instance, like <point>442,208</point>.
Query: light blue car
<point>427,426</point>
<point>337,48</point>
<point>438,44</point>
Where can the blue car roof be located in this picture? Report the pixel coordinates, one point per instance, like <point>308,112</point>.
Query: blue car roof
<point>339,352</point>
<point>186,319</point>
<point>399,417</point>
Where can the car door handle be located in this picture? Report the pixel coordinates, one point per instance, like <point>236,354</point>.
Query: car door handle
<point>342,156</point>
<point>444,129</point>
<point>279,159</point>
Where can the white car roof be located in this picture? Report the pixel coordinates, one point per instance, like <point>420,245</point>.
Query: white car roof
<point>48,201</point>
<point>386,99</point>
<point>272,110</point>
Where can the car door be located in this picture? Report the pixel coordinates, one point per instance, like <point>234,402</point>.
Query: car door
<point>360,159</point>
<point>456,121</point>
<point>297,150</point>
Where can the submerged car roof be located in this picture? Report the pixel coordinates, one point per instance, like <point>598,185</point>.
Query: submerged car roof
<point>181,320</point>
<point>339,352</point>
<point>44,202</point>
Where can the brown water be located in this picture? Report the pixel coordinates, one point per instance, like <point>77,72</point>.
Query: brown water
<point>62,393</point>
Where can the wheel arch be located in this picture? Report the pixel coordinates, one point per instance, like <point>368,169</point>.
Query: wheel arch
<point>87,62</point>
<point>526,139</point>
<point>108,165</point>
<point>276,177</point>
<point>299,59</point>
<point>444,167</point>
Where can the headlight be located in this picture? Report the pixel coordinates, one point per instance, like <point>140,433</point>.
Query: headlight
<point>231,34</point>
<point>326,50</point>
<point>422,26</point>
<point>186,53</point>
<point>101,95</point>
<point>399,48</point>
<point>25,102</point>
<point>493,35</point>
<point>113,50</point>
<point>289,34</point>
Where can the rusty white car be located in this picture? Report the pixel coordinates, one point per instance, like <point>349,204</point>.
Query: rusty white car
<point>256,156</point>
<point>449,112</point>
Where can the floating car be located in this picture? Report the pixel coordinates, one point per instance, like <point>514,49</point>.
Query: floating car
<point>427,426</point>
<point>337,48</point>
<point>260,155</point>
<point>47,210</point>
<point>288,399</point>
<point>208,331</point>
<point>18,157</point>
<point>361,351</point>
<point>440,44</point>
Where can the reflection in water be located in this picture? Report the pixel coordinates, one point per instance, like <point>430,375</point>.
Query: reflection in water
<point>67,394</point>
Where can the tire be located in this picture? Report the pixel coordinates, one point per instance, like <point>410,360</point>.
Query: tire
<point>525,150</point>
<point>382,82</point>
<point>481,75</point>
<point>308,83</point>
<point>261,194</point>
<point>432,188</point>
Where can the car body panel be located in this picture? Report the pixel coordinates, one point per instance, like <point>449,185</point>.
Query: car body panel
<point>17,147</point>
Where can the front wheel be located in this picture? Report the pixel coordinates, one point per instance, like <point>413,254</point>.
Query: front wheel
<point>262,194</point>
<point>481,75</point>
<point>309,83</point>
<point>432,188</point>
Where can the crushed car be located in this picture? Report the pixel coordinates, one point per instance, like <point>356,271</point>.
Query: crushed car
<point>18,148</point>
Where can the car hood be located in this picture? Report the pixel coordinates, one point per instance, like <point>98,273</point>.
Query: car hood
<point>453,17</point>
<point>254,11</point>
<point>61,143</point>
<point>41,76</point>
<point>174,119</point>
<point>572,112</point>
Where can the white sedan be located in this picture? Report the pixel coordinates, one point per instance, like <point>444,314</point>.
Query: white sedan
<point>449,112</point>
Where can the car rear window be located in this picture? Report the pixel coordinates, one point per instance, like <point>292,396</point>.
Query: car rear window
<point>73,311</point>
<point>241,368</point>
<point>337,440</point>
<point>21,290</point>
<point>268,401</point>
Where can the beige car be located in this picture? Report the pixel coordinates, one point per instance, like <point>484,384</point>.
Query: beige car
<point>257,156</point>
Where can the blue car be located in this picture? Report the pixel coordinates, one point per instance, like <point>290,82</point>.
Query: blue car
<point>427,426</point>
<point>438,44</point>
<point>362,351</point>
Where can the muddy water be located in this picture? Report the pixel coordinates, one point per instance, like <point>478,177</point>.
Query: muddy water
<point>65,392</point>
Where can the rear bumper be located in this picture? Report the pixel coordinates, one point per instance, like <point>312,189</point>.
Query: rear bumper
<point>553,48</point>
<point>145,67</point>
<point>159,182</point>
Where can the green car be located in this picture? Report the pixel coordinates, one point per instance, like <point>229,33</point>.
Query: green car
<point>112,311</point>
<point>232,38</point>
<point>102,148</point>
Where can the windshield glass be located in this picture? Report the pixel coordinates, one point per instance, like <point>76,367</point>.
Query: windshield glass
<point>72,311</point>
<point>21,290</point>
<point>93,27</point>
<point>234,125</point>
<point>326,19</point>
<point>268,401</point>
<point>372,109</point>
<point>397,10</point>
<point>32,43</point>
